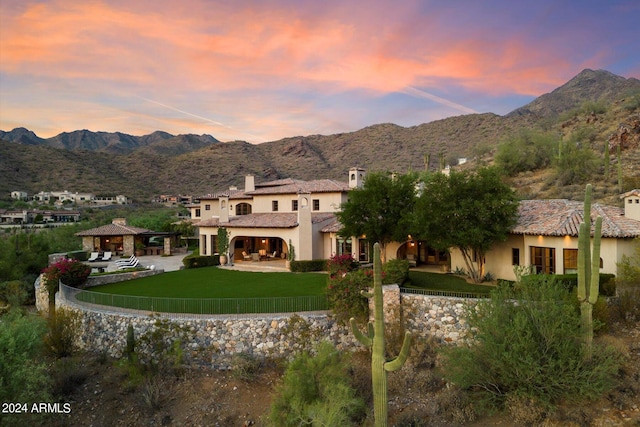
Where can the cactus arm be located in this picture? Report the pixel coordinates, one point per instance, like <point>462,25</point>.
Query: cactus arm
<point>398,362</point>
<point>362,338</point>
<point>595,263</point>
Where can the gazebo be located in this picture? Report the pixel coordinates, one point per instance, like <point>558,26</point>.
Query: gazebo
<point>122,239</point>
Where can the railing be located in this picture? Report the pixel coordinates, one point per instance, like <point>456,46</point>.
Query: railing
<point>473,295</point>
<point>97,300</point>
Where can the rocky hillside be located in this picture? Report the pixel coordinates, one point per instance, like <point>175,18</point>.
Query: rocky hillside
<point>108,163</point>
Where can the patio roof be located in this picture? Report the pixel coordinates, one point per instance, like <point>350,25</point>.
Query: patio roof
<point>114,230</point>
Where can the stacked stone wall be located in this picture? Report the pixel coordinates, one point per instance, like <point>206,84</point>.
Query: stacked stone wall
<point>213,340</point>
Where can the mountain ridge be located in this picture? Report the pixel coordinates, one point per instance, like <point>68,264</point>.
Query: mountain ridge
<point>198,164</point>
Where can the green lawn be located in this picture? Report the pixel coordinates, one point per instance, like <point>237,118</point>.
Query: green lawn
<point>212,290</point>
<point>444,282</point>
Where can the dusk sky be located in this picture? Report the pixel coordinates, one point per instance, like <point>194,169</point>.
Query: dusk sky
<point>264,70</point>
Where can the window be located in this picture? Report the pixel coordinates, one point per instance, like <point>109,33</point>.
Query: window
<point>197,213</point>
<point>343,246</point>
<point>207,207</point>
<point>570,261</point>
<point>294,205</point>
<point>243,209</point>
<point>543,259</point>
<point>316,204</point>
<point>363,251</point>
<point>274,205</point>
<point>515,256</point>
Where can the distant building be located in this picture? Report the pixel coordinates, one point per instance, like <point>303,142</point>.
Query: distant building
<point>19,195</point>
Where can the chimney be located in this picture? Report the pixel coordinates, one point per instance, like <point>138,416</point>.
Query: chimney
<point>224,209</point>
<point>249,183</point>
<point>356,177</point>
<point>632,204</point>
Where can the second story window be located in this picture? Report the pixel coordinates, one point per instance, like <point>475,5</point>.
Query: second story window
<point>316,204</point>
<point>197,213</point>
<point>274,206</point>
<point>294,205</point>
<point>207,207</point>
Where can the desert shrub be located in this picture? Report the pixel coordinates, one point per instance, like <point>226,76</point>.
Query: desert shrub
<point>344,295</point>
<point>23,373</point>
<point>627,305</point>
<point>524,411</point>
<point>13,293</point>
<point>245,366</point>
<point>310,265</point>
<point>201,261</point>
<point>526,151</point>
<point>455,405</point>
<point>62,331</point>
<point>161,346</point>
<point>396,271</point>
<point>577,164</point>
<point>527,344</point>
<point>570,282</point>
<point>150,393</point>
<point>629,268</point>
<point>315,390</point>
<point>67,376</point>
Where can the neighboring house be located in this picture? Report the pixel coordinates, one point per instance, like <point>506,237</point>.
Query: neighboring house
<point>31,216</point>
<point>19,195</point>
<point>546,237</point>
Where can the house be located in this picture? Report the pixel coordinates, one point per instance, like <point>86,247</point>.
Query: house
<point>546,237</point>
<point>267,217</point>
<point>19,195</point>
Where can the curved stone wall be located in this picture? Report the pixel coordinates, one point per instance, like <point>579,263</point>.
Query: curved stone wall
<point>213,340</point>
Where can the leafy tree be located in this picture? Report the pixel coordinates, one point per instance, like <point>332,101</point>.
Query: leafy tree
<point>468,211</point>
<point>382,209</point>
<point>527,151</point>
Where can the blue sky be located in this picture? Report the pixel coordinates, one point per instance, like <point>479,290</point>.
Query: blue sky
<point>261,71</point>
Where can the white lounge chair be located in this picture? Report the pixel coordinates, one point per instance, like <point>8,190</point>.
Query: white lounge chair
<point>271,256</point>
<point>126,261</point>
<point>93,257</point>
<point>134,264</point>
<point>106,256</point>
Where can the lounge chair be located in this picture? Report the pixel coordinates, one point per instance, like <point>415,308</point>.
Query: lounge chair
<point>126,261</point>
<point>93,257</point>
<point>271,256</point>
<point>246,256</point>
<point>134,264</point>
<point>106,256</point>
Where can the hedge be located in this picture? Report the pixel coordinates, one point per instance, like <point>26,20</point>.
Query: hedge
<point>201,261</point>
<point>306,266</point>
<point>607,283</point>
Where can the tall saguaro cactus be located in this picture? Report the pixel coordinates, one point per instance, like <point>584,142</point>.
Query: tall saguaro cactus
<point>374,339</point>
<point>588,272</point>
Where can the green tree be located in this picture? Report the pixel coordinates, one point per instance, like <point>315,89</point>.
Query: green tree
<point>468,211</point>
<point>577,164</point>
<point>382,209</point>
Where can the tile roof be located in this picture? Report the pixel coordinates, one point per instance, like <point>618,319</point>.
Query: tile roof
<point>113,230</point>
<point>561,217</point>
<point>265,220</point>
<point>293,186</point>
<point>635,192</point>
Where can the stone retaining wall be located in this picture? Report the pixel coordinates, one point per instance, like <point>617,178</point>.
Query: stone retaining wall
<point>213,340</point>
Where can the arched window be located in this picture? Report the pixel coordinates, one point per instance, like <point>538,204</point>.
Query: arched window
<point>243,209</point>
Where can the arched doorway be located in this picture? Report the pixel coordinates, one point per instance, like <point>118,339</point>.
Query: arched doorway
<point>258,248</point>
<point>418,252</point>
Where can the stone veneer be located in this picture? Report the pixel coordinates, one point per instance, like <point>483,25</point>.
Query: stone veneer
<point>213,340</point>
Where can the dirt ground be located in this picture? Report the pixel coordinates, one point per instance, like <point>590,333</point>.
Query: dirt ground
<point>101,393</point>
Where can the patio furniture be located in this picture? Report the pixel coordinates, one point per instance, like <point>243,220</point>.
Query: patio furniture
<point>246,256</point>
<point>412,260</point>
<point>255,256</point>
<point>93,257</point>
<point>100,266</point>
<point>271,256</point>
<point>134,264</point>
<point>263,254</point>
<point>106,256</point>
<point>126,261</point>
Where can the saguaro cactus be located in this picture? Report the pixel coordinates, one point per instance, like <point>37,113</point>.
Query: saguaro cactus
<point>588,272</point>
<point>374,339</point>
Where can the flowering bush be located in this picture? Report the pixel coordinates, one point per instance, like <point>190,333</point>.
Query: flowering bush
<point>341,264</point>
<point>344,295</point>
<point>70,271</point>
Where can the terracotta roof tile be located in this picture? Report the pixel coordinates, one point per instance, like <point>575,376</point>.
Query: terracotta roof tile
<point>113,230</point>
<point>560,217</point>
<point>265,220</point>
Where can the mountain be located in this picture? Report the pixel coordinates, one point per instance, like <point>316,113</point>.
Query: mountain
<point>113,142</point>
<point>140,167</point>
<point>598,86</point>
